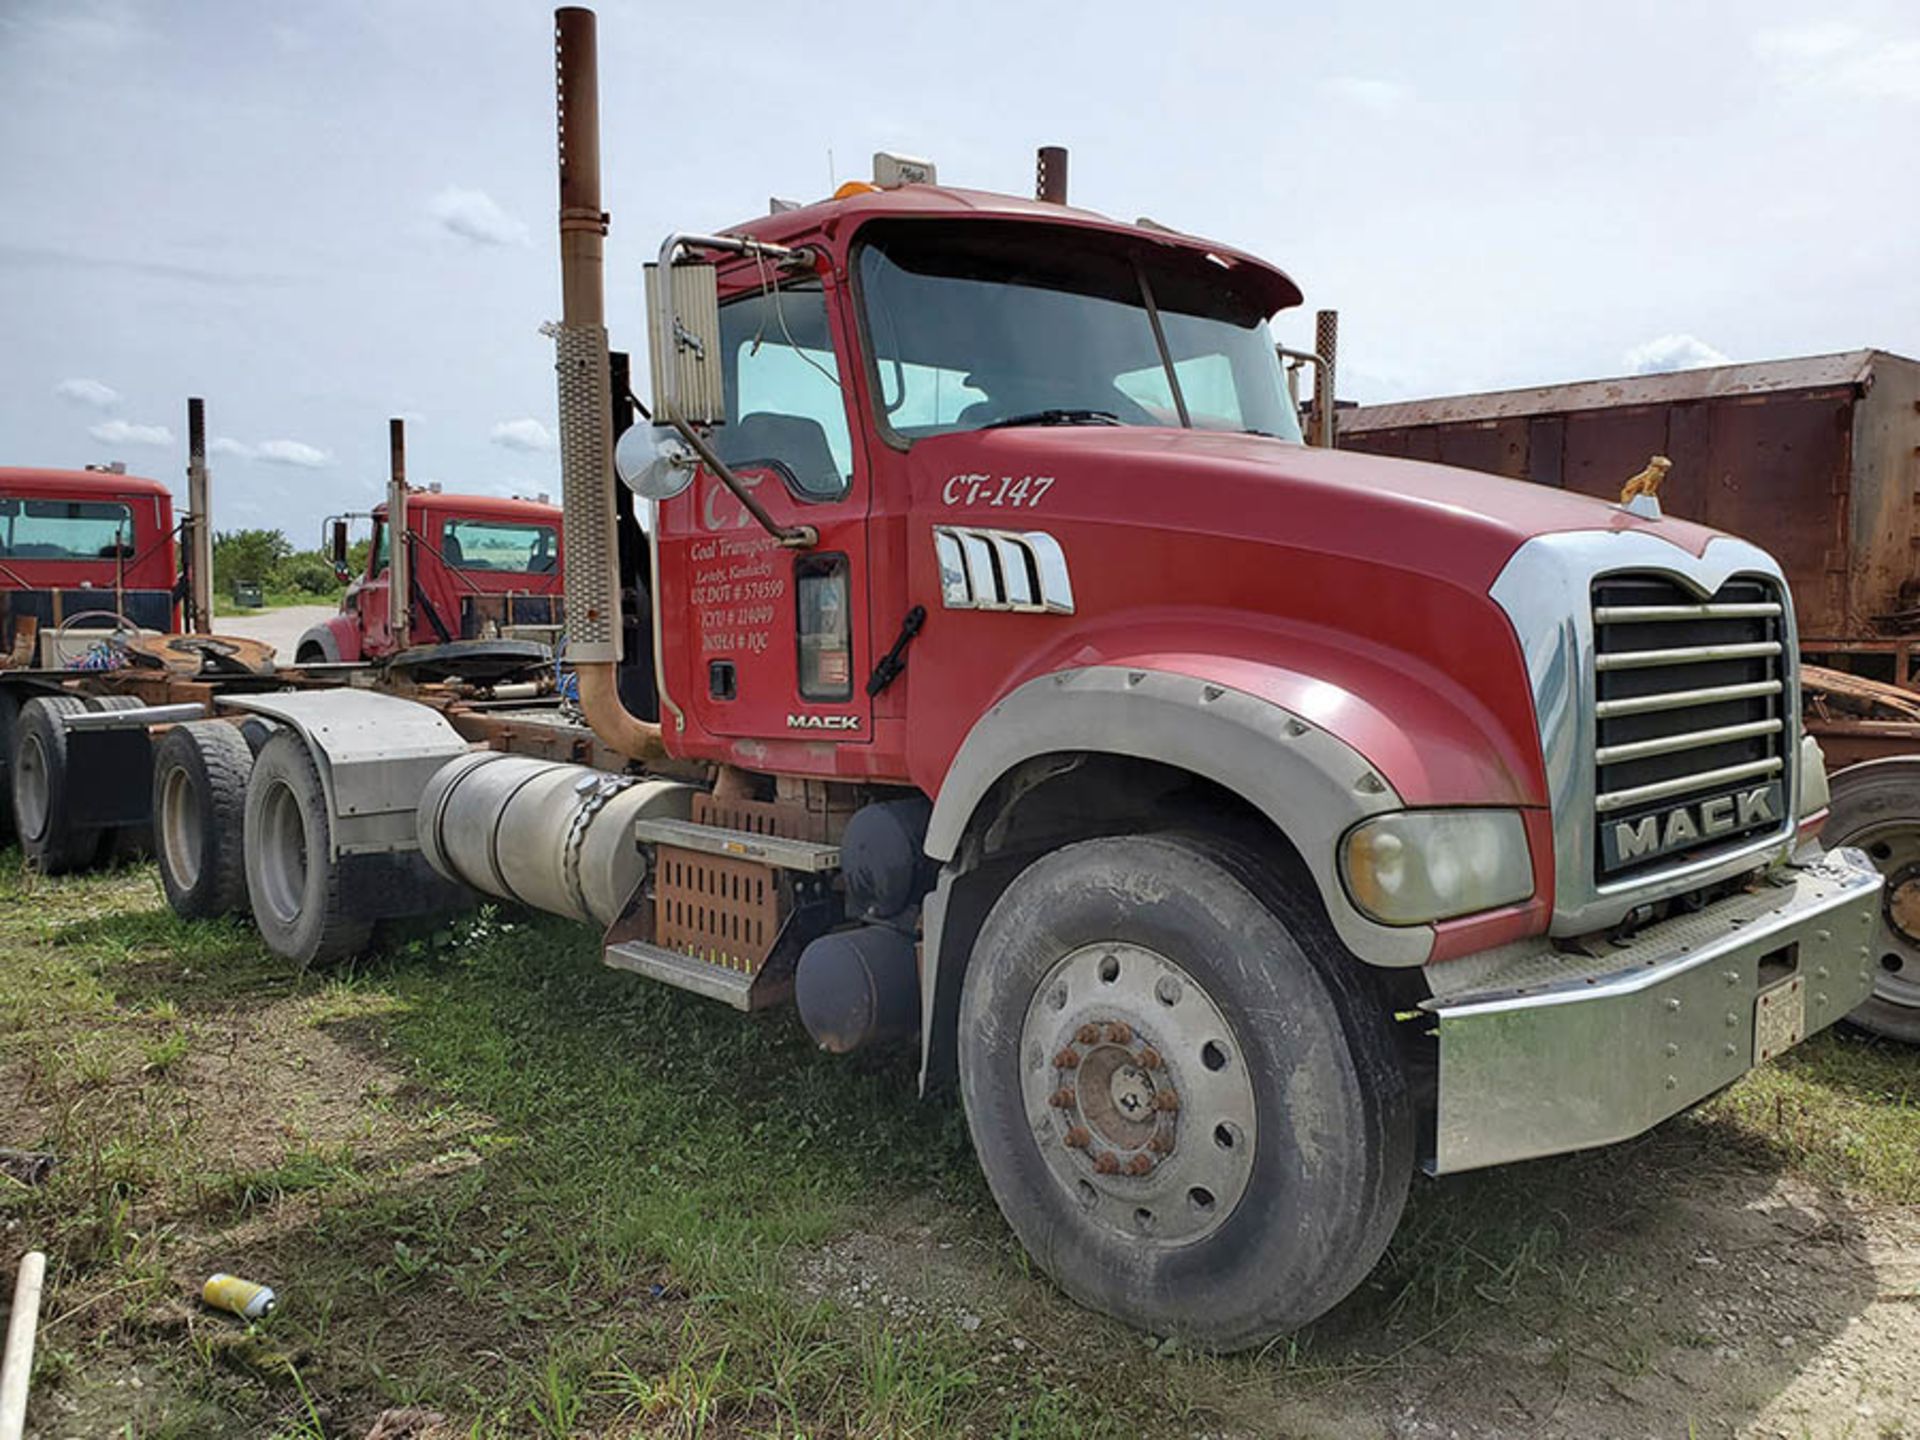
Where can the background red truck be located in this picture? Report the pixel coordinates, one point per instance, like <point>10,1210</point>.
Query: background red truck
<point>480,565</point>
<point>80,550</point>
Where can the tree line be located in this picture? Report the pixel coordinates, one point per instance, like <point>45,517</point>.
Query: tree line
<point>267,558</point>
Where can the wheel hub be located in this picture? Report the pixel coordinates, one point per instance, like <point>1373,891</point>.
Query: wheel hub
<point>1903,905</point>
<point>1894,847</point>
<point>1141,1107</point>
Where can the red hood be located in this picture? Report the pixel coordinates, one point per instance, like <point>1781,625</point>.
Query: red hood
<point>1396,512</point>
<point>1350,588</point>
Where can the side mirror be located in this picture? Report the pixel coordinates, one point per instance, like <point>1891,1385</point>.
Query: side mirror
<point>654,461</point>
<point>337,548</point>
<point>683,344</point>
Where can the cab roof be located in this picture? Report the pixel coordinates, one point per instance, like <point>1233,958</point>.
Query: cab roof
<point>480,507</point>
<point>77,482</point>
<point>837,218</point>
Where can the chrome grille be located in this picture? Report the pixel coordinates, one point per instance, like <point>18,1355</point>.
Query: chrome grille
<point>1691,720</point>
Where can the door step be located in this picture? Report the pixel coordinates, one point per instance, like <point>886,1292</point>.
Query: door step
<point>716,982</point>
<point>810,856</point>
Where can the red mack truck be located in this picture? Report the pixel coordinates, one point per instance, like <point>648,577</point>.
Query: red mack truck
<point>1245,825</point>
<point>475,566</point>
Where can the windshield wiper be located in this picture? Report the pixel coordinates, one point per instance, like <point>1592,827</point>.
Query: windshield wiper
<point>1055,417</point>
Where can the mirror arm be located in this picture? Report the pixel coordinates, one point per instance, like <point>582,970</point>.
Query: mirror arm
<point>794,537</point>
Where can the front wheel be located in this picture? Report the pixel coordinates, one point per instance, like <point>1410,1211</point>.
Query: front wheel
<point>1876,807</point>
<point>1186,1099</point>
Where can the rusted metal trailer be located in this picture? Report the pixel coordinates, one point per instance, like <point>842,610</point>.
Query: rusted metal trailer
<point>1817,460</point>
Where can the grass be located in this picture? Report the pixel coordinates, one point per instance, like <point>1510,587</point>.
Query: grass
<point>489,1176</point>
<point>273,600</point>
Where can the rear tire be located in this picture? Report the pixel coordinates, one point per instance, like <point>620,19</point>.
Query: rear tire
<point>52,843</point>
<point>199,817</point>
<point>9,722</point>
<point>1168,1161</point>
<point>296,888</point>
<point>1876,807</point>
<point>122,843</point>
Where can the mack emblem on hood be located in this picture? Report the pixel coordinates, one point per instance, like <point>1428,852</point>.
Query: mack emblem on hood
<point>1682,827</point>
<point>823,722</point>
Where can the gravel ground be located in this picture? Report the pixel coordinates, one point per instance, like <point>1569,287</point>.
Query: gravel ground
<point>281,628</point>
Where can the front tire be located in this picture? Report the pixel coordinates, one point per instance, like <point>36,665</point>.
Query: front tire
<point>1876,806</point>
<point>296,888</point>
<point>1186,1099</point>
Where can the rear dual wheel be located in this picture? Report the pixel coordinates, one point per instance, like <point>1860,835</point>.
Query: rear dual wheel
<point>200,775</point>
<point>1876,808</point>
<point>294,881</point>
<point>1186,1099</point>
<point>54,844</point>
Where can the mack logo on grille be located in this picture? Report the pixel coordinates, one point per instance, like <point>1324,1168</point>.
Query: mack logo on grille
<point>1681,827</point>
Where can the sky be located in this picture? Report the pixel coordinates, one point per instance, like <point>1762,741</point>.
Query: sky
<point>323,214</point>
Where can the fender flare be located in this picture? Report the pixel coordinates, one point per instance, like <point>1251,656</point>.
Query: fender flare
<point>323,636</point>
<point>1308,782</point>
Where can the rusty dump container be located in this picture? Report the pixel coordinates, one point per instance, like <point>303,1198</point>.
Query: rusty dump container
<point>1816,460</point>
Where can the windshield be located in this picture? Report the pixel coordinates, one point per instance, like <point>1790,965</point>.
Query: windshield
<point>977,325</point>
<point>65,529</point>
<point>500,545</point>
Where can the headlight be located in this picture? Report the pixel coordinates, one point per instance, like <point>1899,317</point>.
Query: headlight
<point>1413,866</point>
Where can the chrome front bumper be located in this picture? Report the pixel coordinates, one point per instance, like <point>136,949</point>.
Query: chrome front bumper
<point>1542,1052</point>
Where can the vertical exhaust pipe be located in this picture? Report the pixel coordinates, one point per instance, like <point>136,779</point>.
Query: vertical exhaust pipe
<point>1050,175</point>
<point>586,401</point>
<point>197,533</point>
<point>1326,345</point>
<point>399,556</point>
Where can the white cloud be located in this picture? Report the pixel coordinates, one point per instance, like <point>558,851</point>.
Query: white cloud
<point>1887,72</point>
<point>1800,43</point>
<point>528,434</point>
<point>94,394</point>
<point>474,215</point>
<point>1841,58</point>
<point>120,432</point>
<point>227,445</point>
<point>293,452</point>
<point>1666,353</point>
<point>1381,96</point>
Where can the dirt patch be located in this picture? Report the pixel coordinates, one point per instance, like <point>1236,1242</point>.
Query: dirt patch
<point>1749,1304</point>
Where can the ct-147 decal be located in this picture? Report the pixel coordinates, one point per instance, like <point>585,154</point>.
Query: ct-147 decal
<point>1001,491</point>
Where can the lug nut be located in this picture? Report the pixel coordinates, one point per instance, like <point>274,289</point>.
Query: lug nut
<point>1062,1099</point>
<point>1088,1034</point>
<point>1149,1059</point>
<point>1140,1164</point>
<point>1067,1059</point>
<point>1120,1033</point>
<point>1078,1138</point>
<point>1161,1144</point>
<point>1106,1163</point>
<point>1166,1100</point>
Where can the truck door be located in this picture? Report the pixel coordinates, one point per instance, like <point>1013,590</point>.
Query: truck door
<point>370,598</point>
<point>760,640</point>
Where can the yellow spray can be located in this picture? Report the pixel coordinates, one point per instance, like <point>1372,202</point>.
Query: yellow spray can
<point>242,1297</point>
